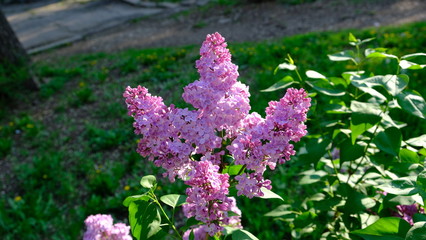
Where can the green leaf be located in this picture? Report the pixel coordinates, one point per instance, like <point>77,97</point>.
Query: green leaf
<point>358,202</point>
<point>287,66</point>
<point>336,109</point>
<point>268,194</point>
<point>232,170</point>
<point>421,184</point>
<point>418,217</point>
<point>421,181</point>
<point>343,56</point>
<point>388,228</point>
<point>413,103</point>
<point>401,186</point>
<point>350,152</point>
<point>287,81</point>
<point>149,181</point>
<point>229,230</point>
<point>394,84</point>
<point>361,122</point>
<point>304,219</point>
<point>173,200</point>
<point>367,40</point>
<point>404,64</point>
<point>241,234</point>
<point>317,147</point>
<point>281,210</point>
<point>367,86</point>
<point>144,219</point>
<point>366,108</point>
<point>408,156</point>
<point>192,235</point>
<point>417,141</point>
<point>130,199</point>
<point>312,176</point>
<point>323,86</point>
<point>413,55</point>
<point>352,38</point>
<point>381,55</point>
<point>389,141</point>
<point>314,75</point>
<point>417,231</point>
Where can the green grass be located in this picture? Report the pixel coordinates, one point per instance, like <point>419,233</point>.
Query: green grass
<point>69,149</point>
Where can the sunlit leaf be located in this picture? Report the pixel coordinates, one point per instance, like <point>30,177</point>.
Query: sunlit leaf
<point>130,199</point>
<point>413,55</point>
<point>381,55</point>
<point>173,200</point>
<point>408,156</point>
<point>366,108</point>
<point>352,38</point>
<point>404,64</point>
<point>387,228</point>
<point>412,102</point>
<point>268,194</point>
<point>394,84</point>
<point>144,219</point>
<point>343,56</point>
<point>323,86</point>
<point>241,234</point>
<point>401,186</point>
<point>336,109</point>
<point>417,231</point>
<point>281,210</point>
<point>148,181</point>
<point>312,176</point>
<point>286,82</point>
<point>233,170</point>
<point>314,75</point>
<point>357,203</point>
<point>286,66</point>
<point>417,141</point>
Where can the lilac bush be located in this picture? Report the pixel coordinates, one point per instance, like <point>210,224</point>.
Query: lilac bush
<point>220,128</point>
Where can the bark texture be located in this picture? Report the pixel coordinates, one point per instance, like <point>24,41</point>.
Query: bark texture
<point>13,57</point>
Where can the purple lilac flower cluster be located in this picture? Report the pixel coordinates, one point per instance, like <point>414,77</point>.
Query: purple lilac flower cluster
<point>101,227</point>
<point>407,212</point>
<point>207,198</point>
<point>221,126</point>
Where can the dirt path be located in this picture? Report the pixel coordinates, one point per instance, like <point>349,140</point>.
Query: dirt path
<point>249,22</point>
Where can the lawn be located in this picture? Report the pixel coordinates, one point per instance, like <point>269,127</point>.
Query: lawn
<point>68,151</point>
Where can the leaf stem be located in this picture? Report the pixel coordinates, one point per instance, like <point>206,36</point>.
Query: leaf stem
<point>366,148</point>
<point>155,199</point>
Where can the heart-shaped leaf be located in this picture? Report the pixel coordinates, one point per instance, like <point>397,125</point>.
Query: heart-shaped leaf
<point>389,141</point>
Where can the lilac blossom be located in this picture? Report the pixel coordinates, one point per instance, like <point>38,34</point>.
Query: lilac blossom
<point>407,212</point>
<point>207,197</point>
<point>101,227</point>
<point>220,126</point>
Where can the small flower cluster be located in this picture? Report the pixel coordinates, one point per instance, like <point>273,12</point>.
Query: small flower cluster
<point>207,198</point>
<point>101,227</point>
<point>407,212</point>
<point>221,126</point>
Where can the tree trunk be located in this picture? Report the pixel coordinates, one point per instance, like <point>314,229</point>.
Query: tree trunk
<point>14,59</point>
